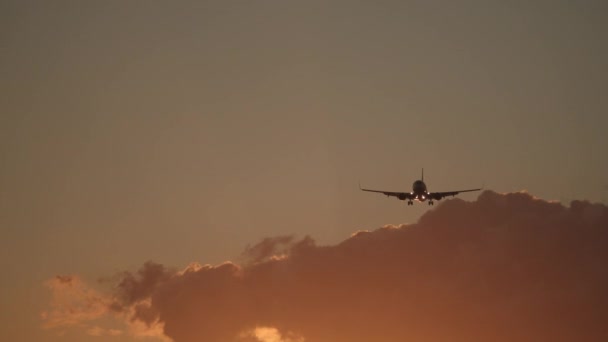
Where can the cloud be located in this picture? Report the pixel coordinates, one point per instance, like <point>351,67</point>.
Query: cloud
<point>507,267</point>
<point>72,302</point>
<point>270,334</point>
<point>267,248</point>
<point>98,331</point>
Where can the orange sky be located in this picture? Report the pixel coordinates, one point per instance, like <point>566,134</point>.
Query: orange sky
<point>179,133</point>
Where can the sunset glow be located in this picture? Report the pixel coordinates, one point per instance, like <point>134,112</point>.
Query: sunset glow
<point>283,171</point>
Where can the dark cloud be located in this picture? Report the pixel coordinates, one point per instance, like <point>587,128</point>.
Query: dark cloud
<point>133,288</point>
<point>507,267</point>
<point>267,248</point>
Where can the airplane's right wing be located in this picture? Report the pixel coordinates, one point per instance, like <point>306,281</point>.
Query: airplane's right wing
<point>400,195</point>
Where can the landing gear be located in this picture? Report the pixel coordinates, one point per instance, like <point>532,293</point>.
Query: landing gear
<point>410,202</point>
<point>431,203</point>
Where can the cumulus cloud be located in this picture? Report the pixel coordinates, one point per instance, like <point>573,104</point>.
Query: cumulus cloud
<point>507,267</point>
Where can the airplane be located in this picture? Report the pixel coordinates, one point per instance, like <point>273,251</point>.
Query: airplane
<point>419,193</point>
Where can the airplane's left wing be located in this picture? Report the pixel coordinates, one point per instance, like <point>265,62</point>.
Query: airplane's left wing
<point>439,195</point>
<point>400,195</point>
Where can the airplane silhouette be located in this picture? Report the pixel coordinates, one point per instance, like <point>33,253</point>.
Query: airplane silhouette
<point>419,193</point>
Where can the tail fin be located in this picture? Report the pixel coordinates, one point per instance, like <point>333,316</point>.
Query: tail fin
<point>422,174</point>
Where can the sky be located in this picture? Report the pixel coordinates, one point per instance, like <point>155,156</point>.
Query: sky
<point>155,133</point>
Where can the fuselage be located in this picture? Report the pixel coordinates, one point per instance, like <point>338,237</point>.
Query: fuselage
<point>419,191</point>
